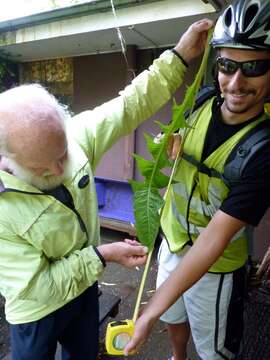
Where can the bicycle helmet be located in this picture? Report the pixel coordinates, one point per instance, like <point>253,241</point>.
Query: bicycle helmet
<point>245,24</point>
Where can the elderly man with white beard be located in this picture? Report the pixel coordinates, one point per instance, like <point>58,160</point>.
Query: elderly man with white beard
<point>49,232</point>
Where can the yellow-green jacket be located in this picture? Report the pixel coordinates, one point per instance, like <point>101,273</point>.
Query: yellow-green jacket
<point>194,197</point>
<point>46,258</point>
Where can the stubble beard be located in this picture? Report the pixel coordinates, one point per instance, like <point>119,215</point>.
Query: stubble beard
<point>239,108</point>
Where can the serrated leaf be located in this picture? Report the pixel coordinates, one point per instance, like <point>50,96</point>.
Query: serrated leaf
<point>155,149</point>
<point>147,202</point>
<point>160,180</point>
<point>145,166</point>
<point>178,118</point>
<point>152,146</point>
<point>137,185</point>
<point>163,127</point>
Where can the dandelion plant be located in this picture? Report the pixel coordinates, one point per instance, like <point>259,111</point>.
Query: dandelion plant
<point>147,201</point>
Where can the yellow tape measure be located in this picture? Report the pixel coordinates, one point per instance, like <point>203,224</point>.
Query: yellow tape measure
<point>120,332</point>
<point>118,335</point>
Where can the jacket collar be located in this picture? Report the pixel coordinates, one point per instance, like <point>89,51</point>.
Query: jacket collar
<point>10,183</point>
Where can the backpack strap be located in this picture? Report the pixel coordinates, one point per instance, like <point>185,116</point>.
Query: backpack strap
<point>244,151</point>
<point>202,167</point>
<point>206,92</point>
<point>239,157</point>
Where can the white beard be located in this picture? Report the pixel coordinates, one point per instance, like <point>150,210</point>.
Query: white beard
<point>45,182</point>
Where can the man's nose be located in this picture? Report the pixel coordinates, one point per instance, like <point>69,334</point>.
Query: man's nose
<point>238,78</point>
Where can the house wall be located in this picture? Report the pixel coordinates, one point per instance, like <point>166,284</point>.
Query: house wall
<point>98,78</point>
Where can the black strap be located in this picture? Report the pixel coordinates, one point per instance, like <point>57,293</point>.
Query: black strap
<point>68,201</point>
<point>206,92</point>
<point>242,153</point>
<point>180,57</point>
<point>201,167</point>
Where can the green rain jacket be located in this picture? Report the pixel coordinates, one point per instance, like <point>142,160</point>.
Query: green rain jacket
<point>47,257</point>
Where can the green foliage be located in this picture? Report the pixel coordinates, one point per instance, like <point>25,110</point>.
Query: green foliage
<point>147,201</point>
<point>4,72</point>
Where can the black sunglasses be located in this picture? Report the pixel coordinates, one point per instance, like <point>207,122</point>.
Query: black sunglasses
<point>250,68</point>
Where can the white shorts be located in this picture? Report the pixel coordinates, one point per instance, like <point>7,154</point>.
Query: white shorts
<point>209,306</point>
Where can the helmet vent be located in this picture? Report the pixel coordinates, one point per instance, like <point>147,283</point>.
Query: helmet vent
<point>228,17</point>
<point>250,15</point>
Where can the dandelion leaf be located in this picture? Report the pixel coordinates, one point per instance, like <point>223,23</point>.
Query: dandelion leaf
<point>157,150</point>
<point>147,201</point>
<point>147,204</point>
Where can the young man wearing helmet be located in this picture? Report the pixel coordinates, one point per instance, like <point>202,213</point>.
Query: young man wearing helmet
<point>201,271</point>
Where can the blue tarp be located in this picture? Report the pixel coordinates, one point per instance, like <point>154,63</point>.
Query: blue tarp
<point>115,199</point>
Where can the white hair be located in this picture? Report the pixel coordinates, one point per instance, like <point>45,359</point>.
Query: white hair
<point>3,141</point>
<point>24,104</point>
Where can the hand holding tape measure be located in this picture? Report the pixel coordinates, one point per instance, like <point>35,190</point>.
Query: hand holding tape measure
<point>119,333</point>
